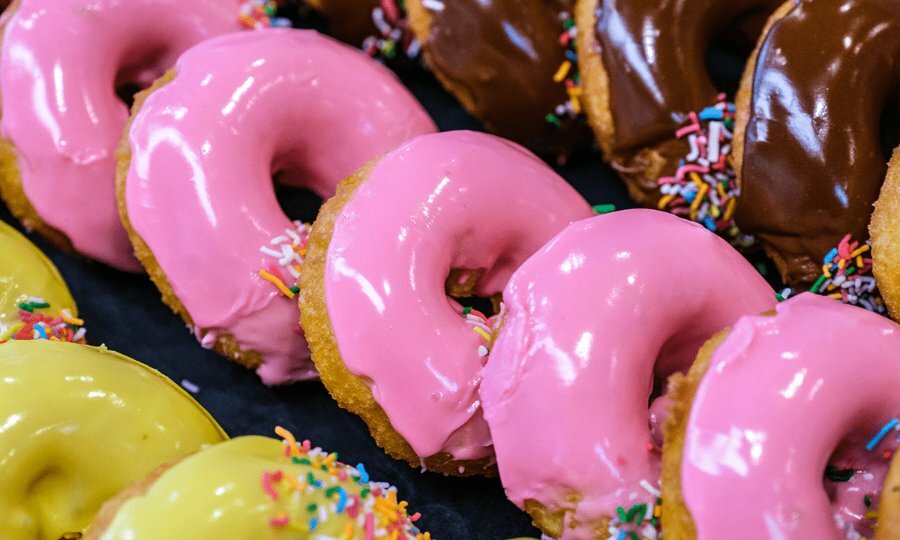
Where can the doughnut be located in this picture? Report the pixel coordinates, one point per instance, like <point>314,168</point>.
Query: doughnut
<point>808,150</point>
<point>657,115</point>
<point>500,59</point>
<point>886,238</point>
<point>449,213</point>
<point>79,424</point>
<point>59,66</point>
<point>594,322</point>
<point>783,427</point>
<point>889,506</point>
<point>198,161</point>
<point>35,302</point>
<point>257,487</point>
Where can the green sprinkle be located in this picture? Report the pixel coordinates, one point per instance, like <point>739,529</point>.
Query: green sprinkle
<point>569,23</point>
<point>295,289</point>
<point>295,459</point>
<point>623,517</point>
<point>604,208</point>
<point>310,479</point>
<point>467,310</point>
<point>312,507</point>
<point>818,284</point>
<point>868,501</point>
<point>331,491</point>
<point>633,535</point>
<point>551,118</point>
<point>364,493</point>
<point>761,268</point>
<point>305,461</point>
<point>779,297</point>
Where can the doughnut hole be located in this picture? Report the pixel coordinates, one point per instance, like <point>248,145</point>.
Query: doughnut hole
<point>138,72</point>
<point>853,480</point>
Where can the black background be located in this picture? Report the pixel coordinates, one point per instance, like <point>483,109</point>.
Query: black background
<point>124,312</point>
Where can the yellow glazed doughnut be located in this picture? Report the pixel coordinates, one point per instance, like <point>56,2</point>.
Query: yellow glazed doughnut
<point>34,299</point>
<point>77,425</point>
<point>256,487</point>
<point>889,508</point>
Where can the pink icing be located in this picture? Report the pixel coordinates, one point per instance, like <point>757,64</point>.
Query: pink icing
<point>450,200</point>
<point>199,189</point>
<point>593,317</point>
<point>819,376</point>
<point>61,62</point>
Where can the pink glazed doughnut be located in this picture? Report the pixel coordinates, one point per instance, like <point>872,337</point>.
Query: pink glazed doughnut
<point>453,213</point>
<point>596,320</point>
<point>786,426</point>
<point>195,178</point>
<point>61,63</point>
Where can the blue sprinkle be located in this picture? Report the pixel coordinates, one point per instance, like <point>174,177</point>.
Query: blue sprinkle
<point>710,113</point>
<point>342,500</point>
<point>41,331</point>
<point>881,433</point>
<point>571,56</point>
<point>831,254</point>
<point>280,22</point>
<point>363,475</point>
<point>690,196</point>
<point>313,523</point>
<point>621,535</point>
<point>710,224</point>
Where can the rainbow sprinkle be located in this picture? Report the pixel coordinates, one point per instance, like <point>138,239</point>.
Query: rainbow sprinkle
<point>258,14</point>
<point>846,276</point>
<point>704,188</point>
<point>394,35</point>
<point>288,252</point>
<point>374,513</point>
<point>568,74</point>
<point>484,326</point>
<point>61,326</point>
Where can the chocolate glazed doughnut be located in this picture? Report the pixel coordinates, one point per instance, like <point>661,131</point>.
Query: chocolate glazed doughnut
<point>809,156</point>
<point>644,74</point>
<point>499,59</point>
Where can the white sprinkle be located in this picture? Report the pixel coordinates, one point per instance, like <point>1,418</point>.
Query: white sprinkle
<point>189,386</point>
<point>649,488</point>
<point>433,5</point>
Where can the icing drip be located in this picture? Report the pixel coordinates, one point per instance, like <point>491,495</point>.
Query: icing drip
<point>704,188</point>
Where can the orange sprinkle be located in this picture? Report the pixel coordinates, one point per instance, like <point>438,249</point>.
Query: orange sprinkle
<point>274,280</point>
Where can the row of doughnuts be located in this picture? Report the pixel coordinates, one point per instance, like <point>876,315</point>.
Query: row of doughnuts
<point>476,247</point>
<point>595,320</point>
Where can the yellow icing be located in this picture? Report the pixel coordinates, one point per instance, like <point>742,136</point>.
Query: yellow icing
<point>79,423</point>
<point>25,271</point>
<point>219,493</point>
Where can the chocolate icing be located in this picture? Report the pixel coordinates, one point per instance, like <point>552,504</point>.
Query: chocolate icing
<point>813,162</point>
<point>499,57</point>
<point>655,57</point>
<point>348,20</point>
